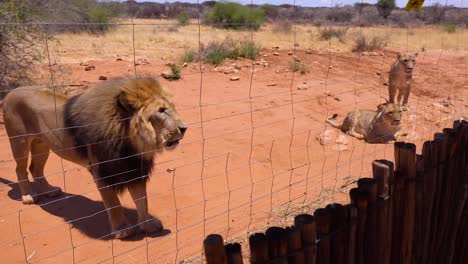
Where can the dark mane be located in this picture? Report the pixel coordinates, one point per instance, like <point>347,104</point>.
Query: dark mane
<point>118,163</point>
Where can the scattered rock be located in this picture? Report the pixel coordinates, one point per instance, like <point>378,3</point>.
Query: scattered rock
<point>326,137</point>
<point>265,55</point>
<point>290,52</point>
<point>166,74</point>
<point>237,67</point>
<point>170,170</point>
<point>272,84</point>
<point>276,48</point>
<point>266,64</point>
<point>228,70</point>
<point>385,84</point>
<point>373,53</point>
<point>365,53</point>
<point>341,140</point>
<point>302,86</point>
<point>89,68</point>
<point>84,64</point>
<point>340,147</point>
<point>102,78</point>
<point>296,58</point>
<point>378,73</point>
<point>234,78</point>
<point>309,52</point>
<point>276,54</point>
<point>118,59</point>
<point>184,65</point>
<point>330,67</point>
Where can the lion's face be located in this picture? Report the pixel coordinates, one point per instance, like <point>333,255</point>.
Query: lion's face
<point>155,124</point>
<point>168,125</point>
<point>391,113</point>
<point>408,60</point>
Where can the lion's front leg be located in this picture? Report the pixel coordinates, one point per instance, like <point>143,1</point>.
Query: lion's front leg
<point>147,223</point>
<point>355,134</point>
<point>115,212</point>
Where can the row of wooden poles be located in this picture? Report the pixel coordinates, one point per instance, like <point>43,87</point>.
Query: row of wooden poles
<point>413,211</point>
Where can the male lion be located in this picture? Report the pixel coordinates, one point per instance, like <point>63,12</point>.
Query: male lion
<point>112,129</point>
<point>381,126</point>
<point>400,78</point>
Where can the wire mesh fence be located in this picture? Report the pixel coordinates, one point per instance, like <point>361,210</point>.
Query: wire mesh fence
<point>257,150</point>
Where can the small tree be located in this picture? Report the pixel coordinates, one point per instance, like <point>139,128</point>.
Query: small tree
<point>183,18</point>
<point>385,7</point>
<point>235,16</point>
<point>19,44</point>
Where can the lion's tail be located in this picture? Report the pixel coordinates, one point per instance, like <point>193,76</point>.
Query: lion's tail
<point>331,120</point>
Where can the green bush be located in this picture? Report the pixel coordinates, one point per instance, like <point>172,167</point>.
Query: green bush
<point>247,49</point>
<point>175,72</point>
<point>189,56</point>
<point>297,66</point>
<point>235,16</point>
<point>183,18</point>
<point>216,52</point>
<point>103,14</point>
<point>450,28</point>
<point>19,50</point>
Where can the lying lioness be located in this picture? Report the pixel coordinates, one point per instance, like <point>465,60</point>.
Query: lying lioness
<point>381,126</point>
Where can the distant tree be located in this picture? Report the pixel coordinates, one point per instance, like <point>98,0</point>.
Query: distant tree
<point>386,7</point>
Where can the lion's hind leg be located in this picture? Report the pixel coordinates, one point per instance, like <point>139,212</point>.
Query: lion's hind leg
<point>20,148</point>
<point>39,156</point>
<point>147,223</point>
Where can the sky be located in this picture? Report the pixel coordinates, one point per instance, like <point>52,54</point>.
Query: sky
<point>400,3</point>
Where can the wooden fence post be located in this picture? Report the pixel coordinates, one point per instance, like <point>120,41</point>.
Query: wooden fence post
<point>352,221</point>
<point>258,248</point>
<point>382,173</point>
<point>233,253</point>
<point>306,225</point>
<point>214,249</point>
<point>405,163</point>
<point>369,186</point>
<point>295,252</point>
<point>430,178</point>
<point>323,220</point>
<point>361,201</point>
<point>440,140</point>
<point>277,245</point>
<point>339,245</point>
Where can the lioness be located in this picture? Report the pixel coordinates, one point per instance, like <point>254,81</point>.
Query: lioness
<point>400,78</point>
<point>113,129</point>
<point>381,126</point>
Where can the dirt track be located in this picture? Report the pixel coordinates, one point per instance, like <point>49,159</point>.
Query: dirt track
<point>240,162</point>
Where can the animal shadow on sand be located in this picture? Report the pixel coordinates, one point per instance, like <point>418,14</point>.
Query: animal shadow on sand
<point>84,214</point>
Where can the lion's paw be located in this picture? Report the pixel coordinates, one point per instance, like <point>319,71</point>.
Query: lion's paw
<point>152,225</point>
<point>124,232</point>
<point>28,199</point>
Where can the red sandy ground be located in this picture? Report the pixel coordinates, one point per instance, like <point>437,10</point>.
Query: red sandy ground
<point>227,176</point>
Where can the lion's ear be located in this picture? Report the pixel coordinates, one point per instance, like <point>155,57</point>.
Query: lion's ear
<point>125,103</point>
<point>398,55</point>
<point>416,54</point>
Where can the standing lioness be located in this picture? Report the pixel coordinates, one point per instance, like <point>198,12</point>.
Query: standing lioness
<point>400,78</point>
<point>112,129</point>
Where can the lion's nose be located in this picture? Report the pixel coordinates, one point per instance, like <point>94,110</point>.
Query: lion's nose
<point>183,129</point>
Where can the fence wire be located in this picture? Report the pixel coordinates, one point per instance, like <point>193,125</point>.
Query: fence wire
<point>262,177</point>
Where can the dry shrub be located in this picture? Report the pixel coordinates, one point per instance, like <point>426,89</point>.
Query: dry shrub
<point>363,43</point>
<point>327,33</point>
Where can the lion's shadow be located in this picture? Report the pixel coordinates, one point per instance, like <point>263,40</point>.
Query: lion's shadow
<point>84,214</point>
